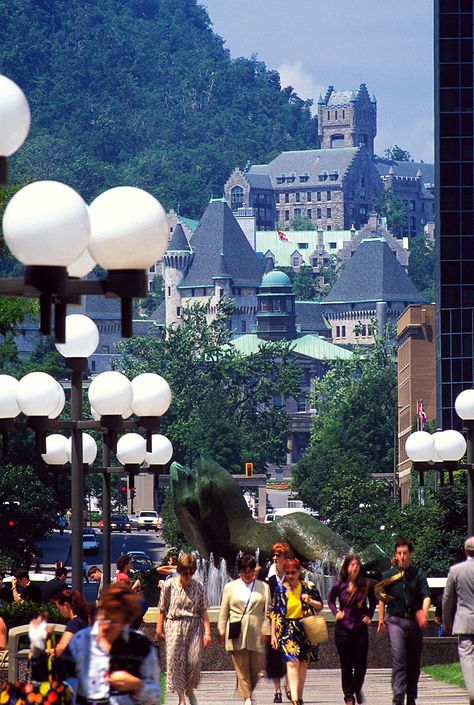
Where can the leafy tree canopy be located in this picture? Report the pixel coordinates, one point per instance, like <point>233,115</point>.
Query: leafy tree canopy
<point>398,154</point>
<point>422,264</point>
<point>142,92</point>
<point>222,400</point>
<point>299,223</point>
<point>392,208</point>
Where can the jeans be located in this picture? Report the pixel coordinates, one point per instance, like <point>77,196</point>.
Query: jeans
<point>406,643</point>
<point>352,645</point>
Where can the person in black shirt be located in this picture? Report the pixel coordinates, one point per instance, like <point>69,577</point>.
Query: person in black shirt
<point>56,585</point>
<point>404,593</point>
<point>29,591</point>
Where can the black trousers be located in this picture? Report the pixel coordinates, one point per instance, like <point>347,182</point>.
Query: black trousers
<point>352,645</point>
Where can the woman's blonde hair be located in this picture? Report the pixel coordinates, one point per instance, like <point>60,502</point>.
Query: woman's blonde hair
<point>186,561</point>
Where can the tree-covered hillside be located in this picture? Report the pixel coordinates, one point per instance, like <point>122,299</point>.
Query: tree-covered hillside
<point>142,92</point>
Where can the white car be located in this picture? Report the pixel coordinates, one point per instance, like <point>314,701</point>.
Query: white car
<point>90,542</point>
<point>148,519</point>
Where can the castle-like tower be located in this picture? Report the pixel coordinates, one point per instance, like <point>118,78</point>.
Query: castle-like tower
<point>347,119</point>
<point>177,260</point>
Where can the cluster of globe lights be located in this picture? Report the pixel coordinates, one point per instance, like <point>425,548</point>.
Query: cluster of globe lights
<point>57,236</point>
<point>443,446</point>
<point>111,395</point>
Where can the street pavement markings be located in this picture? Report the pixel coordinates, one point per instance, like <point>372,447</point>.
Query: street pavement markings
<point>323,687</point>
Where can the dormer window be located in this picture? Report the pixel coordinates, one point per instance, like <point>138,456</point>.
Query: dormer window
<point>304,177</point>
<point>323,176</point>
<point>281,179</point>
<point>290,178</point>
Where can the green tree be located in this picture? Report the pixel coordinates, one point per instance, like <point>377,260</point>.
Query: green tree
<point>155,296</point>
<point>110,106</point>
<point>396,213</point>
<point>299,223</point>
<point>222,399</point>
<point>353,424</point>
<point>304,284</point>
<point>422,264</point>
<point>398,154</point>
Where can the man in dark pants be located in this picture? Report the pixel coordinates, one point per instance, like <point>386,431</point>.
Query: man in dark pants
<point>404,593</point>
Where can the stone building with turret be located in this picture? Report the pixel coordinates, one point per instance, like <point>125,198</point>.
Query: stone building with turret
<point>218,262</point>
<point>336,185</point>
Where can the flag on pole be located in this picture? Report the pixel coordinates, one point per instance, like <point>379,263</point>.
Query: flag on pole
<point>420,411</point>
<point>282,236</point>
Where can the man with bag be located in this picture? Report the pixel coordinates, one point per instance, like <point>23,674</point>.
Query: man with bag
<point>404,593</point>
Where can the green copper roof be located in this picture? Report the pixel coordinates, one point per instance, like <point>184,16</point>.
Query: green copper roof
<point>309,345</point>
<point>275,278</point>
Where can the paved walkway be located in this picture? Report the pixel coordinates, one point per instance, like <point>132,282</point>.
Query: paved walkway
<point>323,687</point>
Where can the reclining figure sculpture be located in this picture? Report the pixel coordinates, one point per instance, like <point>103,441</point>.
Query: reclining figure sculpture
<point>215,518</point>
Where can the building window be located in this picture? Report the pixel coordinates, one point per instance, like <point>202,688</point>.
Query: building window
<point>338,331</point>
<point>308,213</point>
<point>264,306</point>
<point>328,226</point>
<point>287,197</point>
<point>287,215</point>
<point>93,365</point>
<point>329,114</point>
<point>343,114</point>
<point>309,196</point>
<point>297,197</point>
<point>303,245</point>
<point>318,195</point>
<point>301,402</point>
<point>104,349</point>
<point>332,245</point>
<point>277,403</point>
<point>337,141</point>
<point>343,331</point>
<point>192,292</point>
<point>204,292</point>
<point>237,197</point>
<point>153,268</point>
<point>412,205</point>
<point>178,311</point>
<point>318,213</point>
<point>276,305</point>
<point>296,262</point>
<point>169,291</point>
<point>328,213</point>
<point>328,195</point>
<point>243,326</point>
<point>297,213</point>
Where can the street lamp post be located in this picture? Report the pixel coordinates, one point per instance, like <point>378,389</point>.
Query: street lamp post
<point>442,451</point>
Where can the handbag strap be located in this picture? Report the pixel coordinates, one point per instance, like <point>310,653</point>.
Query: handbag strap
<point>248,601</point>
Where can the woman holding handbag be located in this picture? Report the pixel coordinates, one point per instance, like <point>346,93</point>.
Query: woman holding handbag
<point>293,599</point>
<point>243,625</point>
<point>356,605</point>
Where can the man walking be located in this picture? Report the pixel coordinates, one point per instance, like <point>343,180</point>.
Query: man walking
<point>404,593</point>
<point>459,598</point>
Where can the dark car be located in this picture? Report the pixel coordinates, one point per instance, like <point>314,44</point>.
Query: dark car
<point>140,561</point>
<point>118,522</point>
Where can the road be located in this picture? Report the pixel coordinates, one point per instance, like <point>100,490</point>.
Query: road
<point>57,547</point>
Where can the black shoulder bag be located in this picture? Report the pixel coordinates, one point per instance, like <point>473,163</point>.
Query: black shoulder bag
<point>236,627</point>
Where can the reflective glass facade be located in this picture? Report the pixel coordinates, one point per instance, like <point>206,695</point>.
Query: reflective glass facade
<point>454,145</point>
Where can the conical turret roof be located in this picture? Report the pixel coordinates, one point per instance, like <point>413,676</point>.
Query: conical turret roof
<point>178,242</point>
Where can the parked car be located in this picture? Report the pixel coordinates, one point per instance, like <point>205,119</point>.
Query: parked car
<point>118,522</point>
<point>90,542</point>
<point>141,561</point>
<point>148,519</point>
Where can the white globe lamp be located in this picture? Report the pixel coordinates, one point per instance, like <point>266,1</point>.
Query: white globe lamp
<point>131,449</point>
<point>15,117</point>
<point>450,445</point>
<point>151,395</point>
<point>82,266</point>
<point>9,408</point>
<point>82,337</point>
<point>89,449</point>
<point>55,450</point>
<point>129,229</point>
<point>464,405</point>
<point>161,450</point>
<point>419,447</point>
<point>46,223</point>
<point>38,394</point>
<point>61,403</point>
<point>110,394</point>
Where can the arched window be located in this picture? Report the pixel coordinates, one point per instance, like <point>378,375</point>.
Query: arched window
<point>237,197</point>
<point>337,141</point>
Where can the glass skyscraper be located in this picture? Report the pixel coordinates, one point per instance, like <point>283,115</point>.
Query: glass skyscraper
<point>454,146</point>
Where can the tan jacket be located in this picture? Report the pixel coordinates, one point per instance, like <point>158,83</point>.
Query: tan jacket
<point>255,622</point>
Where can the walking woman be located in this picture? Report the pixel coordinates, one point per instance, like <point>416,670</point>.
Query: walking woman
<point>352,601</point>
<point>245,602</point>
<point>275,664</point>
<point>183,603</point>
<point>287,630</point>
<point>114,664</point>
